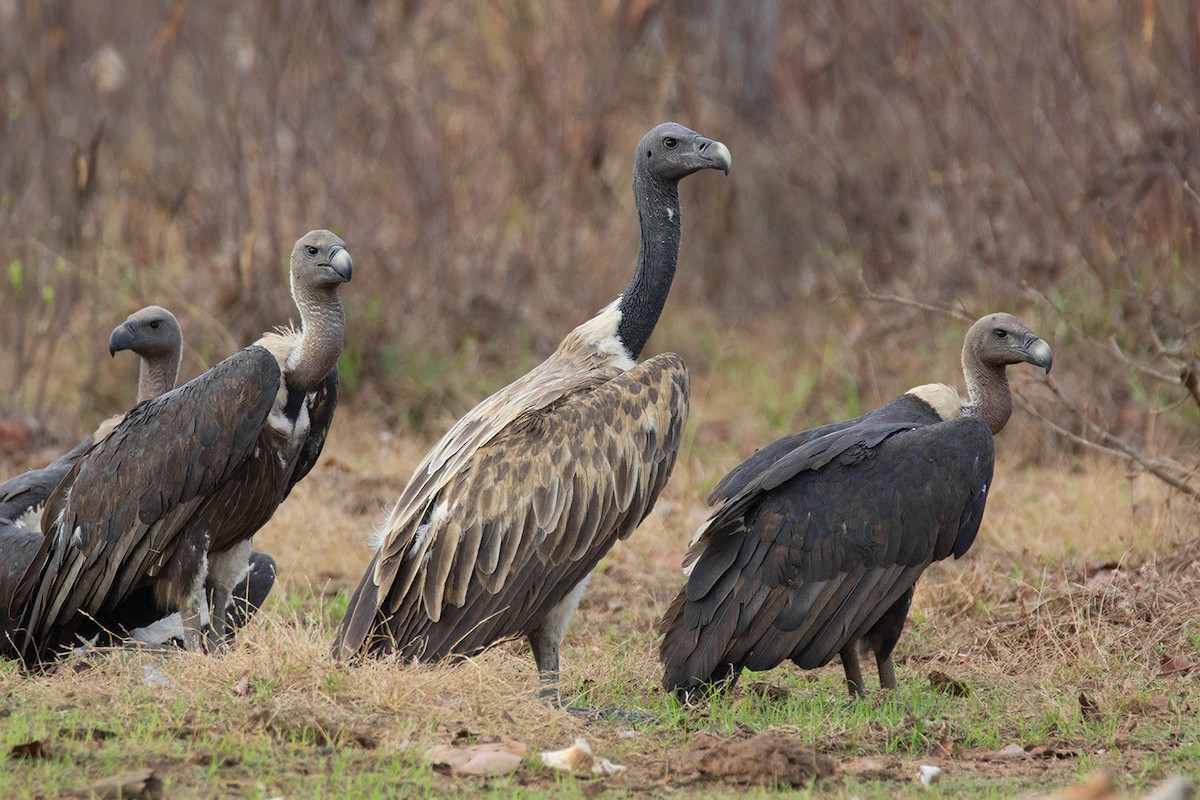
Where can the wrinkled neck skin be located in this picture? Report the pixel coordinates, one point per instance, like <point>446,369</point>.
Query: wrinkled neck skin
<point>643,301</point>
<point>988,396</point>
<point>323,325</point>
<point>157,375</point>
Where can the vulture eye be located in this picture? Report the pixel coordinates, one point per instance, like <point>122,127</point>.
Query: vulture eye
<point>1001,333</point>
<point>670,142</point>
<point>312,251</point>
<point>155,324</point>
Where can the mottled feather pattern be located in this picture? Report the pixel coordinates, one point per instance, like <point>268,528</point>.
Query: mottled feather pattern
<point>545,495</point>
<point>799,561</point>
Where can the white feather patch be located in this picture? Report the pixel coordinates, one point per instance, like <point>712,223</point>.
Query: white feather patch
<point>943,399</point>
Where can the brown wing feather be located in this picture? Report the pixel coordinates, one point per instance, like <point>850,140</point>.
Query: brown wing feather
<point>549,495</point>
<point>118,515</point>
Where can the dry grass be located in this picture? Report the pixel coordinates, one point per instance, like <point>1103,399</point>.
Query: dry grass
<point>1041,161</point>
<point>1034,617</point>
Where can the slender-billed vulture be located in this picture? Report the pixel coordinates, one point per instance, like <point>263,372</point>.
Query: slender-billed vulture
<point>821,536</point>
<point>153,334</point>
<point>173,495</point>
<point>497,531</point>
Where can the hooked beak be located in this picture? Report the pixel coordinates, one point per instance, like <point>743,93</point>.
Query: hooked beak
<point>339,260</point>
<point>1037,352</point>
<point>718,155</point>
<point>120,339</point>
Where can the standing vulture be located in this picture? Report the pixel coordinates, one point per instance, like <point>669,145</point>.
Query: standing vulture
<point>822,535</point>
<point>173,495</point>
<point>503,521</point>
<point>154,335</point>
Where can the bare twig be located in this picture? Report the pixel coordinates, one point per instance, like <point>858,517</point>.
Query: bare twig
<point>868,293</point>
<point>1115,446</point>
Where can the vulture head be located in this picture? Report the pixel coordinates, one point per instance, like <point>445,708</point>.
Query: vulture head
<point>671,152</point>
<point>152,332</point>
<point>999,340</point>
<point>992,344</point>
<point>320,259</point>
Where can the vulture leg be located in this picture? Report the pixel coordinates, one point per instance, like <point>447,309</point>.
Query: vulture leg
<point>887,671</point>
<point>216,641</point>
<point>854,678</point>
<point>545,654</point>
<point>881,639</point>
<point>193,632</point>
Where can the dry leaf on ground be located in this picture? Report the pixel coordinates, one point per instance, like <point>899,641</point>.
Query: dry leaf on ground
<point>138,783</point>
<point>497,758</point>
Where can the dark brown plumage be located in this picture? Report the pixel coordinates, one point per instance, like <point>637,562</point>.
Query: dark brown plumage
<point>172,496</point>
<point>154,335</point>
<point>821,536</point>
<point>503,521</point>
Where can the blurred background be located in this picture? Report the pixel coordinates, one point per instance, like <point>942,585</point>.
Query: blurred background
<point>1033,157</point>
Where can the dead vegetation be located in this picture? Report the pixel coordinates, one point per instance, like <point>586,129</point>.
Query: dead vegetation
<point>898,166</point>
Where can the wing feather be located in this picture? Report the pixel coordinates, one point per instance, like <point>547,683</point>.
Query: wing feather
<point>819,543</point>
<point>135,478</point>
<point>552,490</point>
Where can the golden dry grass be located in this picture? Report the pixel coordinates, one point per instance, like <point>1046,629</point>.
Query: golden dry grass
<point>1033,617</point>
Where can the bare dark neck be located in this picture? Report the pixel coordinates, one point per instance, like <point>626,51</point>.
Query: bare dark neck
<point>643,301</point>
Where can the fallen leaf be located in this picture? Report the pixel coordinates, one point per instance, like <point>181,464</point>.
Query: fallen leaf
<point>141,783</point>
<point>497,758</point>
<point>1160,701</point>
<point>1174,665</point>
<point>944,748</point>
<point>947,685</point>
<point>1088,708</point>
<point>1009,751</point>
<point>30,750</point>
<point>606,767</point>
<point>242,687</point>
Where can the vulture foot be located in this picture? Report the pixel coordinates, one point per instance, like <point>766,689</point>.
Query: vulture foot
<point>627,716</point>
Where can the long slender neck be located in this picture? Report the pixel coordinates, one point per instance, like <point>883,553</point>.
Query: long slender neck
<point>988,396</point>
<point>323,326</point>
<point>643,300</point>
<point>157,375</point>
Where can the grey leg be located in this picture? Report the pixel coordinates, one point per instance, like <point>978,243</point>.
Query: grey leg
<point>854,679</point>
<point>545,654</point>
<point>218,622</point>
<point>887,672</point>
<point>193,636</point>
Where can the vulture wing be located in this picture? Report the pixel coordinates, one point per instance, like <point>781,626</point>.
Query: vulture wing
<point>513,530</point>
<point>120,513</point>
<point>814,549</point>
<point>29,490</point>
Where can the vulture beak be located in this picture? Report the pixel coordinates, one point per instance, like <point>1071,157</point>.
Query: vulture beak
<point>339,260</point>
<point>1037,352</point>
<point>717,154</point>
<point>120,339</point>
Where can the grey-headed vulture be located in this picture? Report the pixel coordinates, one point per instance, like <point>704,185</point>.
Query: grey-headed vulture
<point>154,335</point>
<point>821,536</point>
<point>173,495</point>
<point>501,524</point>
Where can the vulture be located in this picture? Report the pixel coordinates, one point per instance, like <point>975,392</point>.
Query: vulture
<point>170,499</point>
<point>501,524</point>
<point>154,335</point>
<point>821,536</point>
